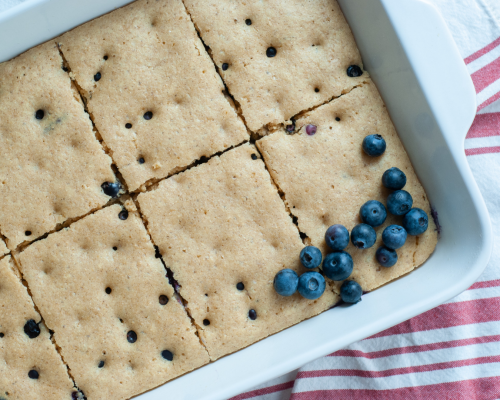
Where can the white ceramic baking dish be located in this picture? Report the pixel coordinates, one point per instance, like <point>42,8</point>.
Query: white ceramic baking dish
<point>411,56</point>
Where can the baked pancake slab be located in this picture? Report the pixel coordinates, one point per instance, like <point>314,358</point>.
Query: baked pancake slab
<point>151,89</point>
<point>224,231</point>
<point>52,166</point>
<point>326,178</point>
<point>106,296</point>
<point>30,367</point>
<point>279,58</point>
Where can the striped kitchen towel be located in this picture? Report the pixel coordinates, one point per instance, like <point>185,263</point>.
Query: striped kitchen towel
<point>453,351</point>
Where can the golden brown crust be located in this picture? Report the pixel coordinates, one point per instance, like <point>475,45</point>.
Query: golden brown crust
<point>326,178</point>
<point>52,169</point>
<point>19,354</point>
<point>314,49</point>
<point>155,63</point>
<point>222,223</point>
<point>69,273</point>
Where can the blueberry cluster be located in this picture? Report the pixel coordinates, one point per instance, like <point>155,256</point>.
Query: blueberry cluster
<point>339,265</point>
<point>373,214</point>
<point>399,203</point>
<point>310,285</point>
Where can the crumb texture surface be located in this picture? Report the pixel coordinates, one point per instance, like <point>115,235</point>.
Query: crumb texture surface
<point>95,283</point>
<point>151,89</point>
<point>20,354</point>
<point>221,224</point>
<point>51,164</point>
<point>314,47</point>
<point>3,248</point>
<point>326,178</point>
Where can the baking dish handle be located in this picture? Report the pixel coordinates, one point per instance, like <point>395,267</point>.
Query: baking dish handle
<point>433,54</point>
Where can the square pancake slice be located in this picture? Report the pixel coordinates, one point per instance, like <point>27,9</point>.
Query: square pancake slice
<point>151,89</point>
<point>326,178</point>
<point>51,164</point>
<point>106,296</point>
<point>223,230</point>
<point>279,58</point>
<point>30,367</point>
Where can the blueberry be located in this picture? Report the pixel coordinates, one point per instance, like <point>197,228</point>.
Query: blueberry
<point>148,115</point>
<point>131,336</point>
<point>163,299</point>
<point>31,329</point>
<point>97,77</point>
<point>141,160</point>
<point>248,21</point>
<point>271,52</point>
<point>101,364</point>
<point>394,179</point>
<point>252,314</point>
<point>286,282</point>
<point>167,355</point>
<point>254,156</point>
<point>394,236</point>
<point>399,202</point>
<point>373,213</point>
<point>39,114</point>
<point>386,257</point>
<point>2,335</point>
<point>337,237</point>
<point>374,145</point>
<point>354,71</point>
<point>290,128</point>
<point>111,189</point>
<point>416,221</point>
<point>33,374</point>
<point>240,286</point>
<point>351,292</point>
<point>311,257</point>
<point>311,129</point>
<point>225,66</point>
<point>363,236</point>
<point>311,285</point>
<point>128,125</point>
<point>338,265</point>
<point>123,214</point>
<point>206,322</point>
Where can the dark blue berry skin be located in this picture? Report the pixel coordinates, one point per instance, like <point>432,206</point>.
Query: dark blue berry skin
<point>373,213</point>
<point>311,285</point>
<point>31,329</point>
<point>353,71</point>
<point>374,145</point>
<point>416,221</point>
<point>337,237</point>
<point>111,188</point>
<point>394,179</point>
<point>351,292</point>
<point>363,236</point>
<point>311,257</point>
<point>399,202</point>
<point>286,282</point>
<point>394,236</point>
<point>386,257</point>
<point>338,265</point>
